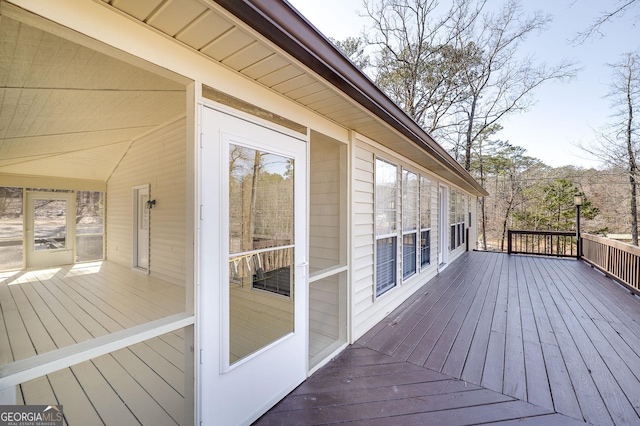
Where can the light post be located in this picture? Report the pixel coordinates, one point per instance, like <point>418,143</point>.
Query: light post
<point>577,200</point>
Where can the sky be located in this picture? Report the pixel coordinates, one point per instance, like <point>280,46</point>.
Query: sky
<point>565,114</point>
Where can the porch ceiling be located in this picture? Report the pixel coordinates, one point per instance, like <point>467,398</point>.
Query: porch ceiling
<point>212,31</point>
<point>69,111</point>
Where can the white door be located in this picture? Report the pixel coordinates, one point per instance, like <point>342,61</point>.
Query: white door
<point>50,228</point>
<point>141,218</point>
<point>253,268</point>
<point>443,232</point>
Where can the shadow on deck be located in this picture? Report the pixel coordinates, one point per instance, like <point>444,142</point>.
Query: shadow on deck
<point>494,339</point>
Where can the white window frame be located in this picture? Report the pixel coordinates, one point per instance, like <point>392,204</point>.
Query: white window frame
<point>393,228</point>
<point>421,208</point>
<point>416,220</point>
<point>458,202</point>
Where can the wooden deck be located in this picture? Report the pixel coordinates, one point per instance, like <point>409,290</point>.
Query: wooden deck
<point>494,339</point>
<point>50,309</point>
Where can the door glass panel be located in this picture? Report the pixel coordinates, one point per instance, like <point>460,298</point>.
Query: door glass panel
<point>49,224</point>
<point>261,212</point>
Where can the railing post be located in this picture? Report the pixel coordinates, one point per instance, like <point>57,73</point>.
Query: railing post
<point>509,241</point>
<point>579,254</point>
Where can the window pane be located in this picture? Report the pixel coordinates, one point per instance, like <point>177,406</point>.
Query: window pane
<point>260,200</point>
<point>386,197</point>
<point>49,224</point>
<point>89,225</point>
<point>385,264</point>
<point>408,255</point>
<point>425,203</point>
<point>409,201</point>
<point>452,208</point>
<point>10,228</point>
<point>425,248</point>
<point>452,240</point>
<point>261,213</point>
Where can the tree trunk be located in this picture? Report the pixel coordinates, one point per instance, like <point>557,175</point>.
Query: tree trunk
<point>633,167</point>
<point>469,139</point>
<point>504,223</point>
<point>634,208</point>
<point>482,200</point>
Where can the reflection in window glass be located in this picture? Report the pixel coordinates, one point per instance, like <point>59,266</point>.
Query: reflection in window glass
<point>425,222</point>
<point>410,193</point>
<point>386,192</point>
<point>260,199</point>
<point>261,219</point>
<point>10,228</point>
<point>49,224</point>
<point>89,225</point>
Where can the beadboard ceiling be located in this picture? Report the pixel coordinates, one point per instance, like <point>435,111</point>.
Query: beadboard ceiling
<point>69,111</point>
<point>206,27</point>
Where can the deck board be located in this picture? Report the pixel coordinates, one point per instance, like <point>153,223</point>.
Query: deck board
<point>552,340</point>
<point>44,310</point>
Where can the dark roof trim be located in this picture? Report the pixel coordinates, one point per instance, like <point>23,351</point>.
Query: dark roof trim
<point>284,26</point>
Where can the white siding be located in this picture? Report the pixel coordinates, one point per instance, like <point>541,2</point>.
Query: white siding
<point>157,159</point>
<point>367,311</point>
<point>473,231</point>
<point>363,236</point>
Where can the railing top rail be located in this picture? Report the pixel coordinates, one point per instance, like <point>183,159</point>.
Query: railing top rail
<point>630,248</point>
<point>560,233</point>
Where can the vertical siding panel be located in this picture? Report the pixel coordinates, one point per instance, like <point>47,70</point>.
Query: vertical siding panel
<point>158,159</point>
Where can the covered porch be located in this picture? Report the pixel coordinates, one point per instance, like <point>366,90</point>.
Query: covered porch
<point>47,313</point>
<point>493,339</point>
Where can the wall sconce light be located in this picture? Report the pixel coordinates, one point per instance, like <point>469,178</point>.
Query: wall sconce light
<point>151,203</point>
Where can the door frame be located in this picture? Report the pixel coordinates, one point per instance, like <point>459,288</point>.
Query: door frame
<point>134,230</point>
<point>56,257</point>
<point>218,392</point>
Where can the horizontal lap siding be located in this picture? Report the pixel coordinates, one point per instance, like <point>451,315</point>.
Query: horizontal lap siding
<point>368,311</point>
<point>157,159</point>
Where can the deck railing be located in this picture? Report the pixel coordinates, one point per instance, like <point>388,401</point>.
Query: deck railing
<point>617,259</point>
<point>542,243</point>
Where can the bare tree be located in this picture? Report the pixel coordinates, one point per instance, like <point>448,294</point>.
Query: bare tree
<point>418,62</point>
<point>459,72</point>
<point>619,143</point>
<point>499,81</point>
<point>608,16</point>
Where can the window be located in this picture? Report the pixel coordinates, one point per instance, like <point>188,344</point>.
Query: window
<point>425,222</point>
<point>11,226</point>
<point>89,225</point>
<point>457,207</point>
<point>409,223</point>
<point>386,193</point>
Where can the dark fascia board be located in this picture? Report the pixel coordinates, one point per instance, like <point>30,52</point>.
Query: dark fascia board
<point>281,24</point>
